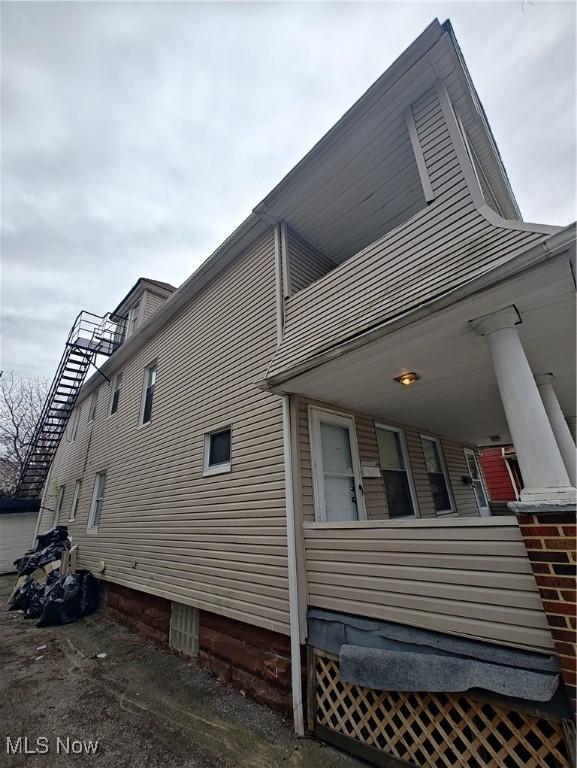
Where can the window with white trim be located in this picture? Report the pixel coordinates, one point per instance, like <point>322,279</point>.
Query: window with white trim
<point>217,450</point>
<point>93,405</point>
<point>75,500</point>
<point>148,393</point>
<point>132,321</point>
<point>477,482</point>
<point>394,460</point>
<point>438,475</point>
<point>76,424</point>
<point>115,393</point>
<point>59,503</point>
<point>97,501</point>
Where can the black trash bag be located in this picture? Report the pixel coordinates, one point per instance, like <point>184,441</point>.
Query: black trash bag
<point>51,553</point>
<point>19,600</point>
<point>35,600</point>
<point>55,535</point>
<point>68,599</point>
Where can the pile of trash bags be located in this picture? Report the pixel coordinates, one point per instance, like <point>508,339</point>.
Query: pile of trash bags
<point>46,589</point>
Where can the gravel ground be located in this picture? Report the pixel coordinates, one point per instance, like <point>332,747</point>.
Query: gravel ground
<point>145,707</point>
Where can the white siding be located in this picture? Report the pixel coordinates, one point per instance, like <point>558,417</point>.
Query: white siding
<point>16,534</point>
<point>306,263</point>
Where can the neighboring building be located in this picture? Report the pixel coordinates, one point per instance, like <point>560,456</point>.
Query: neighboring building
<point>502,474</point>
<point>17,525</point>
<point>283,452</point>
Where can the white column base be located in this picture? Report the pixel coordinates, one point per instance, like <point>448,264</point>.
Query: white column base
<point>564,495</point>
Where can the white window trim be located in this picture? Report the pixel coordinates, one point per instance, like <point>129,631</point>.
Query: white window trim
<point>483,511</point>
<point>441,452</point>
<point>112,391</point>
<point>76,496</point>
<point>315,415</point>
<point>93,405</point>
<point>408,468</point>
<point>141,423</point>
<point>76,424</point>
<point>216,469</point>
<point>132,322</point>
<point>90,527</point>
<point>59,503</point>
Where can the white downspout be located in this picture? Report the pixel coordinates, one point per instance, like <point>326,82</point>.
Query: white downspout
<point>297,694</point>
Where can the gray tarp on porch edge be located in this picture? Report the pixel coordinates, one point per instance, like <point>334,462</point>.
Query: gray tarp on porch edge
<point>387,656</point>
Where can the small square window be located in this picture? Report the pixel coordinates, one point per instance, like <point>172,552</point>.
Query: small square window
<point>115,393</point>
<point>217,451</point>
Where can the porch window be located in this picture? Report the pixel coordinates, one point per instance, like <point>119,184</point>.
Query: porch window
<point>148,394</point>
<point>437,471</point>
<point>395,468</point>
<point>337,475</point>
<point>115,393</point>
<point>59,503</point>
<point>217,452</point>
<point>97,502</point>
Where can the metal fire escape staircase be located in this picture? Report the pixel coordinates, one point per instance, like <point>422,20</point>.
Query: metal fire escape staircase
<point>90,336</point>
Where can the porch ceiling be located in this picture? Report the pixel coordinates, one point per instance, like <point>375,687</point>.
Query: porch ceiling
<point>457,395</point>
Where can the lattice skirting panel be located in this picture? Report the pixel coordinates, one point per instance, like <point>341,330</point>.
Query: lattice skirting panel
<point>440,730</point>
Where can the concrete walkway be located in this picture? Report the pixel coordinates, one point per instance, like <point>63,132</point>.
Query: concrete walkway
<point>145,707</point>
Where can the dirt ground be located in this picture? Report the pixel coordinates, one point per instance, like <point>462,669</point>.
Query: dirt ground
<point>145,707</point>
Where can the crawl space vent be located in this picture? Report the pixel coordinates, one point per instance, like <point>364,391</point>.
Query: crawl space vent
<point>184,629</point>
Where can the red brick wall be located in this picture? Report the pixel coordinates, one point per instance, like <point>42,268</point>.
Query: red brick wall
<point>550,543</point>
<point>254,660</point>
<point>146,614</point>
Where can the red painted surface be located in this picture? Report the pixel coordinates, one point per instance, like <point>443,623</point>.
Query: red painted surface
<point>497,475</point>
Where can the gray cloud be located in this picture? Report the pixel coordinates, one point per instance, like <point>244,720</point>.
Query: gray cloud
<point>136,136</point>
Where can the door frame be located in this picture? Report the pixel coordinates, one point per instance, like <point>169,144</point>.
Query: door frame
<point>315,416</point>
<point>483,511</point>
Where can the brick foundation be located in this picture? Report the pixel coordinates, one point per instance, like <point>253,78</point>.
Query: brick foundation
<point>550,542</point>
<point>146,614</point>
<point>253,660</point>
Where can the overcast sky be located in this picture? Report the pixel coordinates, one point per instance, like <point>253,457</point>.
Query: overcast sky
<point>137,136</point>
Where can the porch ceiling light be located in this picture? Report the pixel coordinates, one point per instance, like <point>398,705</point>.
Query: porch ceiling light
<point>406,379</point>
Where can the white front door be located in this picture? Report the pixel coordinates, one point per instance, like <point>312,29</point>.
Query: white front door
<point>336,467</point>
<point>477,482</point>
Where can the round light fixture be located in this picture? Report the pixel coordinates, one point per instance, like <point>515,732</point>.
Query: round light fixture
<point>406,379</point>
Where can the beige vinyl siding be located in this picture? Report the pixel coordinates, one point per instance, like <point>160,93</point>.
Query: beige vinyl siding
<point>305,263</point>
<point>150,303</point>
<point>441,247</point>
<point>375,500</point>
<point>218,543</point>
<point>464,577</point>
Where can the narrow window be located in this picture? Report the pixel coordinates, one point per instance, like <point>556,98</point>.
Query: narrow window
<point>59,502</point>
<point>133,314</point>
<point>97,501</point>
<point>148,394</point>
<point>93,404</point>
<point>395,468</point>
<point>115,393</point>
<point>217,452</point>
<point>337,474</point>
<point>477,482</point>
<point>76,424</point>
<point>75,500</point>
<point>437,471</point>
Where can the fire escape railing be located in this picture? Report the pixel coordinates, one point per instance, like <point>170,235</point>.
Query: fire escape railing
<point>90,336</point>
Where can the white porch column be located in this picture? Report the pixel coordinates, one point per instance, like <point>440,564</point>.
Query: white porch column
<point>558,424</point>
<point>572,424</point>
<point>542,467</point>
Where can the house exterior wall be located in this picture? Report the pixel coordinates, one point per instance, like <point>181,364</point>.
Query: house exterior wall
<point>217,543</point>
<point>150,303</point>
<point>392,274</point>
<point>468,577</point>
<point>306,264</point>
<point>374,496</point>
